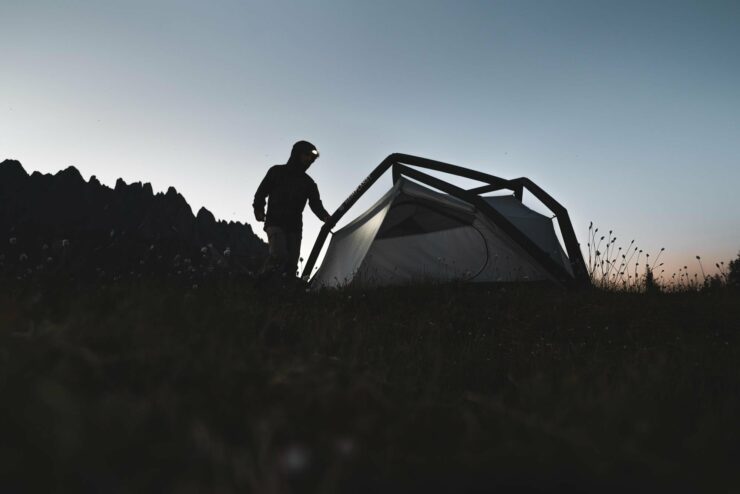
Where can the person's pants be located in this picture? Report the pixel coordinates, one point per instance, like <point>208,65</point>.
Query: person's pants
<point>284,250</point>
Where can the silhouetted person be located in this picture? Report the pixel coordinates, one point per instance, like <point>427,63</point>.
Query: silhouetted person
<point>288,188</point>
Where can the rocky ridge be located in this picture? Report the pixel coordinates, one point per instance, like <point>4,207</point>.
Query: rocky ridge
<point>63,223</point>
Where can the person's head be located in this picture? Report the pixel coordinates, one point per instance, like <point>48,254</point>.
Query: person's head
<point>304,153</point>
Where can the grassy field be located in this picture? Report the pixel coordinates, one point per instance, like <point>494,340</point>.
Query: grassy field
<point>153,386</point>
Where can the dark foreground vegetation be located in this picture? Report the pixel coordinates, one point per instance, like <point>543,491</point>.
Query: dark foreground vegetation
<point>156,386</point>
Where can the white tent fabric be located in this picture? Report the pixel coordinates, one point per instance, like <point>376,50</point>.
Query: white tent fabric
<point>415,234</point>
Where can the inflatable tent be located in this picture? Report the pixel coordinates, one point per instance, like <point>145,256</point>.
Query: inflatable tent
<point>417,234</point>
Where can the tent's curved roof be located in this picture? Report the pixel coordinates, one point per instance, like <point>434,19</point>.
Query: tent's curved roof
<point>406,214</point>
<point>510,221</point>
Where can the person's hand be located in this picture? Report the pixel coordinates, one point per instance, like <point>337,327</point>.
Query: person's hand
<point>259,215</point>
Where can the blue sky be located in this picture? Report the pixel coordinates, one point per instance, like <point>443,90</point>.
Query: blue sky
<point>627,112</point>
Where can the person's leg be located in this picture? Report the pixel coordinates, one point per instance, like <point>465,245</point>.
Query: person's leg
<point>277,250</point>
<point>294,252</point>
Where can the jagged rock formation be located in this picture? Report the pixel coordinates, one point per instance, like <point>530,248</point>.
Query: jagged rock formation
<point>88,228</point>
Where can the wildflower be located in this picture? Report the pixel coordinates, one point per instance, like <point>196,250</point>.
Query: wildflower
<point>112,233</point>
<point>227,252</point>
<point>23,257</point>
<point>295,459</point>
<point>345,446</point>
<point>13,240</point>
<point>195,286</point>
<point>45,247</point>
<point>65,243</point>
<point>204,250</point>
<point>49,260</point>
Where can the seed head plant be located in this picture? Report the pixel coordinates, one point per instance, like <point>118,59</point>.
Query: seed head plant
<point>615,268</point>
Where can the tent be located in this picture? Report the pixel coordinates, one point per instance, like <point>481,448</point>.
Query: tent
<point>417,234</point>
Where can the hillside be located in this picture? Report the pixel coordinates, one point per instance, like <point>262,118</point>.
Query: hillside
<point>148,385</point>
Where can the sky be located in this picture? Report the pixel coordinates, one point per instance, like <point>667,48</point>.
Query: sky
<point>627,112</point>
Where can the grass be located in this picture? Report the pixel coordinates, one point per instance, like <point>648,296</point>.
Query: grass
<point>618,268</point>
<point>153,385</point>
<point>630,269</point>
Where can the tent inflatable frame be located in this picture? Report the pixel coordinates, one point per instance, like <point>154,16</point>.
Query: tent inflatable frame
<point>400,164</point>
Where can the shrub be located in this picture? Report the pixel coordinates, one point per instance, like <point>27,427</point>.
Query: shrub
<point>733,275</point>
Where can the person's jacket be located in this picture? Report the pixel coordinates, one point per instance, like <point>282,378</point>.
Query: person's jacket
<point>288,188</point>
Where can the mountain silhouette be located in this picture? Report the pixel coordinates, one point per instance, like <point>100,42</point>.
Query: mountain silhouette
<point>64,224</point>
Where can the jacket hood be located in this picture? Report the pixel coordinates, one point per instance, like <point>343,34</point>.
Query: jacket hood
<point>299,148</point>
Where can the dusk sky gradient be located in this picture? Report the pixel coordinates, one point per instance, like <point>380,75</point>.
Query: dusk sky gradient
<point>627,112</point>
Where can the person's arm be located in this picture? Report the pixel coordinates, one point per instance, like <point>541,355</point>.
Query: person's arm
<point>314,202</point>
<point>259,197</point>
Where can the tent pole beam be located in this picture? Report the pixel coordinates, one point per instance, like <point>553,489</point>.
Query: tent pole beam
<point>517,189</point>
<point>341,210</point>
<point>396,175</point>
<point>407,159</point>
<point>566,229</point>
